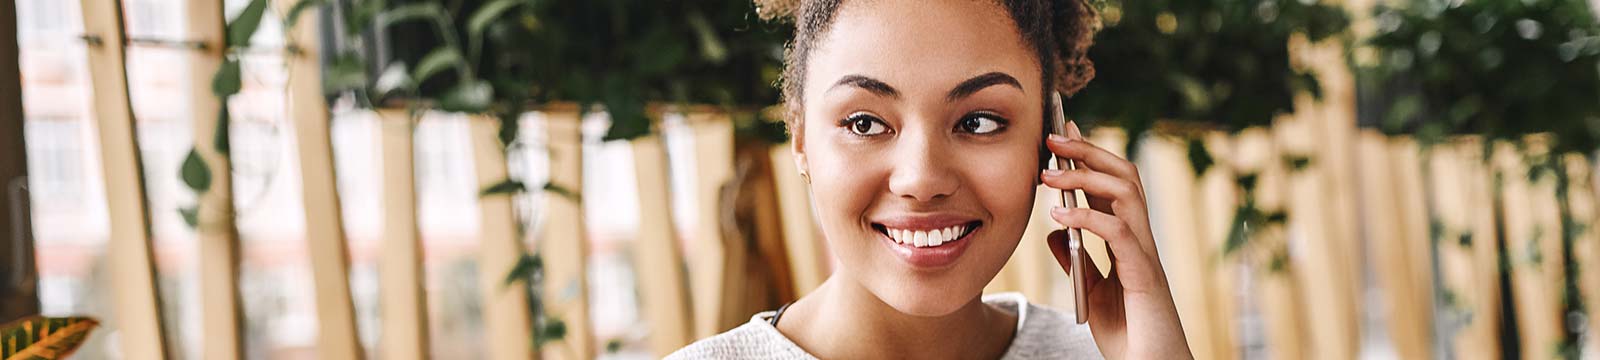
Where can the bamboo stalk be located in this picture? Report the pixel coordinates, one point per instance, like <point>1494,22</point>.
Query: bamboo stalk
<point>658,261</point>
<point>218,237</point>
<point>1272,264</point>
<point>325,238</point>
<point>1184,231</point>
<point>1333,329</point>
<point>137,305</point>
<point>1460,198</point>
<point>402,303</point>
<point>565,249</point>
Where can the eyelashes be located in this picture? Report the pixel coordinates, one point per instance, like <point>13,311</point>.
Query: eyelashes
<point>977,123</point>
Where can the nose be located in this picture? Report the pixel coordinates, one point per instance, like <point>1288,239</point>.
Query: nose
<point>922,172</point>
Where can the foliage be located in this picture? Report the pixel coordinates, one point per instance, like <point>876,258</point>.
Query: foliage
<point>1220,62</point>
<point>1500,68</point>
<point>43,338</point>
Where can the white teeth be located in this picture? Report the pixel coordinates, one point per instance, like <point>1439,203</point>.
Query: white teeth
<point>927,238</point>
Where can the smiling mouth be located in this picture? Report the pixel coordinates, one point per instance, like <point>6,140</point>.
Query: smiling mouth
<point>925,238</point>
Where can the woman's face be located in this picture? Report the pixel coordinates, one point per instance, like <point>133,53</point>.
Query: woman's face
<point>922,120</point>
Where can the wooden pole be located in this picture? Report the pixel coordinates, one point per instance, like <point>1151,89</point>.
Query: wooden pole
<point>19,291</point>
<point>808,254</point>
<point>565,248</point>
<point>710,257</point>
<point>506,320</point>
<point>1398,239</point>
<point>659,263</point>
<point>402,303</point>
<point>325,238</point>
<point>1468,267</point>
<point>137,304</point>
<point>220,309</point>
<point>1191,223</point>
<point>1532,242</point>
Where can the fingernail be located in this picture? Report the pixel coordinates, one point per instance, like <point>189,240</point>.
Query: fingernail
<point>1058,211</point>
<point>1053,172</point>
<point>1073,131</point>
<point>1058,138</point>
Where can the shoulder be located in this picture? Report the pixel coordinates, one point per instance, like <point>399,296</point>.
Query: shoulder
<point>1044,332</point>
<point>754,340</point>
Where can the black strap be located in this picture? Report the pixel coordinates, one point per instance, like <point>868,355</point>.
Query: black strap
<point>779,314</point>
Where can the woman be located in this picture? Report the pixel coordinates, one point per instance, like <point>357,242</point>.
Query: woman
<point>919,126</point>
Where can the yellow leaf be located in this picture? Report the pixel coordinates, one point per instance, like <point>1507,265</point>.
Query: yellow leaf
<point>39,337</point>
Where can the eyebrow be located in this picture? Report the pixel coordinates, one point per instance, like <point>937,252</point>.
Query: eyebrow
<point>980,82</point>
<point>962,90</point>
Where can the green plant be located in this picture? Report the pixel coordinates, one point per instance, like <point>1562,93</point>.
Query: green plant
<point>1221,63</point>
<point>1215,64</point>
<point>44,338</point>
<point>1504,70</point>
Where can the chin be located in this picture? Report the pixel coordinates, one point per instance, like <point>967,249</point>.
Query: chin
<point>928,297</point>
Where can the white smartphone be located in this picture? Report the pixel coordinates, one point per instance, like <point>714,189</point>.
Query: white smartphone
<point>1078,270</point>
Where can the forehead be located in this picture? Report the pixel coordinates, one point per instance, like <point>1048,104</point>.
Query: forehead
<point>921,46</point>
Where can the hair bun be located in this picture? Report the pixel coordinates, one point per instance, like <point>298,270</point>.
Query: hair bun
<point>777,9</point>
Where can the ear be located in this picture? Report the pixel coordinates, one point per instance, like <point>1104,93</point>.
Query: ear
<point>797,147</point>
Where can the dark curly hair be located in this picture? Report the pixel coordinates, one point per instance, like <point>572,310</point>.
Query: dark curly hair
<point>1060,32</point>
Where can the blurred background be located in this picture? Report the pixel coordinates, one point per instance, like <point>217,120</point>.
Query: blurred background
<point>510,179</point>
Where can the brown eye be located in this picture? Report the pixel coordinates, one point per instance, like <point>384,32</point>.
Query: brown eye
<point>865,125</point>
<point>981,123</point>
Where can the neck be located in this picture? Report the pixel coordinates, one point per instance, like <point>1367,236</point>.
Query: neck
<point>841,319</point>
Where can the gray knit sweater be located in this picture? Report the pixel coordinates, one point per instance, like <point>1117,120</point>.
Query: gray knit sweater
<point>1042,333</point>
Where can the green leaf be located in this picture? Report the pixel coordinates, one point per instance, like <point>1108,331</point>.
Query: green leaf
<point>1297,162</point>
<point>194,172</point>
<point>191,215</point>
<point>219,139</point>
<point>39,337</point>
<point>526,268</point>
<point>415,11</point>
<point>468,97</point>
<point>506,186</point>
<point>564,192</point>
<point>1237,232</point>
<point>347,72</point>
<point>509,125</point>
<point>613,346</point>
<point>227,80</point>
<point>1200,160</point>
<point>393,78</point>
<point>480,19</point>
<point>553,330</point>
<point>244,26</point>
<point>300,7</point>
<point>711,47</point>
<point>436,61</point>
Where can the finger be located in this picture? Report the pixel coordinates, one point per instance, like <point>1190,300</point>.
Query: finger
<point>1123,195</point>
<point>1057,240</point>
<point>1134,266</point>
<point>1124,200</point>
<point>1093,157</point>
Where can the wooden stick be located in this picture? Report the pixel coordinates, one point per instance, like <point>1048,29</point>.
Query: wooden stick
<point>808,254</point>
<point>1529,209</point>
<point>325,238</point>
<point>710,258</point>
<point>218,237</point>
<point>564,246</point>
<point>402,300</point>
<point>1192,244</point>
<point>137,305</point>
<point>658,261</point>
<point>506,317</point>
